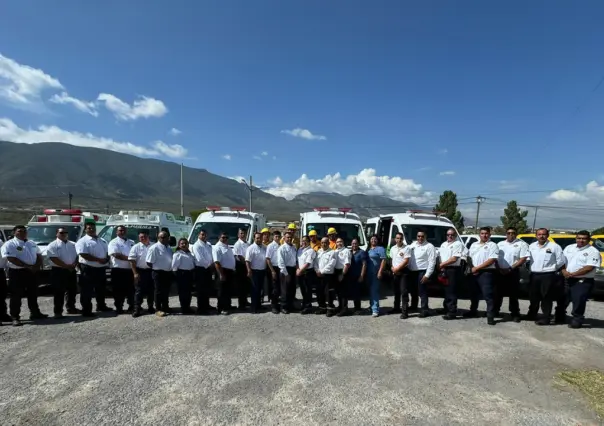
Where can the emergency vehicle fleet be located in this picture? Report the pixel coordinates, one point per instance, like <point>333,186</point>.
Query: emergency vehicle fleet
<point>348,225</point>
<point>229,220</point>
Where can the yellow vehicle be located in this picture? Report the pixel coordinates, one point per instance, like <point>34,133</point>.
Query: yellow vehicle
<point>562,240</point>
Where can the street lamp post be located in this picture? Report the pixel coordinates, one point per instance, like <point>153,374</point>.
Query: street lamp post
<point>250,188</point>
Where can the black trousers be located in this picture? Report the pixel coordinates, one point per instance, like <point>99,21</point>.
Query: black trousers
<point>22,282</point>
<point>122,284</point>
<point>162,281</point>
<point>413,283</point>
<point>144,288</point>
<point>454,277</point>
<point>92,281</point>
<point>507,285</point>
<point>354,290</point>
<point>579,290</point>
<point>3,293</point>
<point>276,287</point>
<point>482,285</point>
<point>288,288</point>
<point>546,288</point>
<point>224,290</point>
<point>242,284</point>
<point>258,277</point>
<point>306,282</point>
<point>203,286</point>
<point>184,283</point>
<point>64,284</point>
<point>326,285</point>
<point>341,289</point>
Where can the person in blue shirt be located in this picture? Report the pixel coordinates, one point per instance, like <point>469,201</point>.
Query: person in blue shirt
<point>356,274</point>
<point>375,268</point>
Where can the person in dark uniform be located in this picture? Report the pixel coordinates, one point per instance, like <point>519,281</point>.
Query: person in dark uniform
<point>356,273</point>
<point>451,252</point>
<point>159,259</point>
<point>93,262</point>
<point>224,261</point>
<point>63,278</point>
<point>141,274</point>
<point>204,266</point>
<point>122,280</point>
<point>24,259</point>
<point>4,316</point>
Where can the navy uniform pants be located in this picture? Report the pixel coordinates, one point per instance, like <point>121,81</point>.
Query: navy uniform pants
<point>545,289</point>
<point>64,284</point>
<point>507,285</point>
<point>203,285</point>
<point>258,277</point>
<point>288,288</point>
<point>92,281</point>
<point>412,284</point>
<point>242,284</point>
<point>122,284</point>
<point>579,290</point>
<point>306,282</point>
<point>3,293</point>
<point>162,281</point>
<point>454,277</point>
<point>184,283</point>
<point>224,289</point>
<point>483,285</point>
<point>22,282</point>
<point>144,288</point>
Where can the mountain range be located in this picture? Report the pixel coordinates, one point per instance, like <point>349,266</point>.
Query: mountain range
<point>42,175</point>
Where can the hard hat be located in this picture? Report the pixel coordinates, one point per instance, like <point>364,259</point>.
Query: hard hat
<point>331,231</point>
<point>291,226</point>
<point>311,233</point>
<point>265,230</point>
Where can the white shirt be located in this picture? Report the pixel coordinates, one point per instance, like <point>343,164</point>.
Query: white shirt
<point>138,253</point>
<point>240,247</point>
<point>286,257</point>
<point>203,254</point>
<point>343,257</point>
<point>510,253</point>
<point>26,251</point>
<point>160,257</point>
<point>306,255</point>
<point>480,253</point>
<point>256,255</point>
<point>271,252</point>
<point>119,246</point>
<point>452,249</point>
<point>576,258</point>
<point>546,258</point>
<point>223,254</point>
<point>3,260</point>
<point>421,257</point>
<point>183,260</point>
<point>96,247</point>
<point>397,254</point>
<point>65,251</point>
<point>325,263</point>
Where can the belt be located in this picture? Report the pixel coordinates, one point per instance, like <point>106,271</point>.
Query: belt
<point>452,267</point>
<point>543,273</point>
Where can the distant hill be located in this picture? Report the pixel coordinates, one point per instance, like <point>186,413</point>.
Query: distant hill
<point>42,175</point>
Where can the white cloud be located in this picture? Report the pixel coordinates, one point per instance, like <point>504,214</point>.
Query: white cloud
<point>257,157</point>
<point>64,99</point>
<point>143,107</point>
<point>264,153</point>
<point>226,156</point>
<point>237,178</point>
<point>22,85</point>
<point>9,131</point>
<point>564,195</point>
<point>443,151</point>
<point>175,132</point>
<point>366,182</point>
<point>509,184</point>
<point>304,134</point>
<point>423,169</point>
<point>447,173</point>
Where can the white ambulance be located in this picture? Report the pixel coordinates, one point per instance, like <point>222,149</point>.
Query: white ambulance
<point>151,222</point>
<point>227,219</point>
<point>348,225</point>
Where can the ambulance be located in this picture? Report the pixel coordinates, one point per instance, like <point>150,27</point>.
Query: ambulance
<point>227,219</point>
<point>153,223</point>
<point>348,225</point>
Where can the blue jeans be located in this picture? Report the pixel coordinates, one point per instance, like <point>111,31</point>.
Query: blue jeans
<point>374,293</point>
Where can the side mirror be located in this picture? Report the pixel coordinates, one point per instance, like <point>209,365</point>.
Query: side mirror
<point>172,241</point>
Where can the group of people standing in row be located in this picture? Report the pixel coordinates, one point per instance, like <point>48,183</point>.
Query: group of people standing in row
<point>324,266</point>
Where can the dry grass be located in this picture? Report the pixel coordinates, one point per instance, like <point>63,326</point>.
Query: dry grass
<point>590,383</point>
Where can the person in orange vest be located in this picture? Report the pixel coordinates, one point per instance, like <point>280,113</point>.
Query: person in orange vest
<point>315,244</point>
<point>291,228</point>
<point>332,234</point>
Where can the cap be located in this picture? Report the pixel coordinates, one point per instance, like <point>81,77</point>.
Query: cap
<point>291,226</point>
<point>265,230</point>
<point>331,231</point>
<point>311,233</point>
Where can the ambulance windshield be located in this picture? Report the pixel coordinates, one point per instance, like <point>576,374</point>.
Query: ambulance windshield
<point>46,234</point>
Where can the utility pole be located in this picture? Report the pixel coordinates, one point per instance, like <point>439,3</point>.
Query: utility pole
<point>250,188</point>
<point>479,200</point>
<point>70,195</point>
<point>182,200</point>
<point>535,218</point>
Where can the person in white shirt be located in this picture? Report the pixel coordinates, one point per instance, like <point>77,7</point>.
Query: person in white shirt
<point>242,282</point>
<point>546,285</point>
<point>399,271</point>
<point>224,261</point>
<point>513,253</point>
<point>141,273</point>
<point>255,262</point>
<point>183,266</point>
<point>93,252</point>
<point>286,261</point>
<point>422,261</point>
<point>306,273</point>
<point>4,316</point>
<point>451,252</point>
<point>483,255</point>
<point>24,260</point>
<point>325,265</point>
<point>343,259</point>
<point>204,267</point>
<point>273,272</point>
<point>122,280</point>
<point>63,277</point>
<point>581,262</point>
<point>159,259</point>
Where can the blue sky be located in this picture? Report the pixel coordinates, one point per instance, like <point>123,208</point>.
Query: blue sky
<point>471,96</point>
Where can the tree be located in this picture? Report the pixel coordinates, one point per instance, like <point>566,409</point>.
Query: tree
<point>598,231</point>
<point>513,216</point>
<point>195,213</point>
<point>447,204</point>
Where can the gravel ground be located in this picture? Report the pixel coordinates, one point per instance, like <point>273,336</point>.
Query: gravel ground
<point>292,369</point>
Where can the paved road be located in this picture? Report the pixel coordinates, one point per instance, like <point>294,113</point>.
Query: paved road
<point>300,370</point>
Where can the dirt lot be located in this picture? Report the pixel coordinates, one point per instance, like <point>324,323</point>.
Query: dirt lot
<point>278,369</point>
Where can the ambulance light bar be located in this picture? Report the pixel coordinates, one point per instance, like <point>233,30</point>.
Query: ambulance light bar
<point>63,211</point>
<point>225,209</point>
